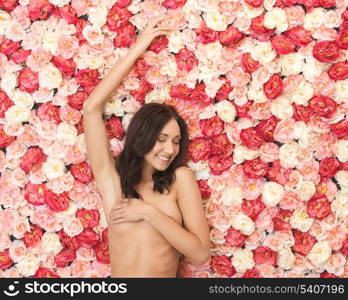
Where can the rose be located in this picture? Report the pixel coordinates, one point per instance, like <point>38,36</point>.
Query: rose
<point>341,39</point>
<point>33,237</point>
<point>199,148</point>
<point>88,217</point>
<point>43,272</point>
<point>252,208</point>
<point>35,193</point>
<point>8,47</point>
<point>67,241</point>
<point>328,275</point>
<point>123,3</point>
<point>186,60</point>
<point>158,44</point>
<point>117,17</point>
<point>326,51</point>
<point>266,128</point>
<point>32,159</point>
<point>251,138</point>
<point>252,273</point>
<point>339,71</point>
<point>299,36</point>
<point>221,264</point>
<point>8,5</point>
<point>64,257</point>
<point>302,113</point>
<point>66,66</point>
<point>230,36</point>
<point>235,238</point>
<point>5,259</point>
<point>344,248</point>
<point>87,78</point>
<point>254,3</point>
<point>141,67</point>
<point>328,167</point>
<point>248,64</point>
<point>323,106</point>
<point>40,10</point>
<point>204,188</point>
<point>242,259</point>
<point>318,207</point>
<point>5,103</point>
<point>273,87</point>
<point>281,220</point>
<point>82,172</point>
<point>88,238</point>
<point>125,36</point>
<point>173,4</point>
<point>28,80</point>
<point>57,202</point>
<point>340,129</point>
<point>68,13</point>
<point>114,128</point>
<point>224,90</point>
<point>181,91</point>
<point>257,27</point>
<point>199,94</point>
<point>304,242</point>
<point>282,44</point>
<point>221,145</point>
<point>255,168</point>
<point>265,255</point>
<point>101,251</point>
<point>219,164</point>
<point>206,35</point>
<point>49,112</point>
<point>76,100</point>
<point>140,93</point>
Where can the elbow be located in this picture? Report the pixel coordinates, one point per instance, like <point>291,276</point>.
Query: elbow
<point>202,258</point>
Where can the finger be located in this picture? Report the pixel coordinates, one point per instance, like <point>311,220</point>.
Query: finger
<point>156,20</point>
<point>118,221</point>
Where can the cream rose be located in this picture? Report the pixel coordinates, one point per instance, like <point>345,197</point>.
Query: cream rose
<point>175,42</point>
<point>215,21</point>
<point>5,20</point>
<point>242,153</point>
<point>226,111</point>
<point>67,132</point>
<point>340,204</point>
<point>314,19</point>
<point>263,52</point>
<point>276,18</point>
<point>72,226</point>
<point>90,61</point>
<point>50,77</point>
<point>59,3</point>
<point>303,93</point>
<point>320,253</point>
<point>306,190</point>
<point>252,12</point>
<point>341,150</point>
<point>17,114</point>
<point>288,155</point>
<point>28,265</point>
<point>169,68</point>
<point>53,167</point>
<point>300,219</point>
<point>23,99</point>
<point>50,243</point>
<point>158,95</point>
<point>232,196</point>
<point>341,91</point>
<point>243,223</point>
<point>242,260</point>
<point>114,106</point>
<point>342,179</point>
<point>200,168</point>
<point>8,82</point>
<point>286,258</point>
<point>291,63</point>
<point>272,193</point>
<point>312,68</point>
<point>97,15</point>
<point>282,108</point>
<point>93,34</point>
<point>50,42</point>
<point>257,94</point>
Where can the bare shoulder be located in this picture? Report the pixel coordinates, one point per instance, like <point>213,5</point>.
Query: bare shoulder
<point>186,186</point>
<point>184,174</point>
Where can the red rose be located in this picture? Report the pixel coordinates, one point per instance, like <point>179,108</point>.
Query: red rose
<point>212,126</point>
<point>204,188</point>
<point>318,207</point>
<point>282,44</point>
<point>43,272</point>
<point>328,167</point>
<point>35,193</point>
<point>303,242</point>
<point>219,164</point>
<point>123,3</point>
<point>180,91</point>
<point>327,3</point>
<point>87,79</point>
<point>8,5</point>
<point>117,17</point>
<point>257,27</point>
<point>248,64</point>
<point>101,252</point>
<point>339,71</point>
<point>186,60</point>
<point>230,36</point>
<point>68,13</point>
<point>5,260</point>
<point>252,273</point>
<point>266,128</point>
<point>277,173</point>
<point>265,255</point>
<point>242,110</point>
<point>76,100</point>
<point>158,44</point>
<point>125,36</point>
<point>221,145</point>
<point>49,112</point>
<point>224,90</point>
<point>140,93</point>
<point>235,238</point>
<point>80,25</point>
<point>5,103</point>
<point>342,39</point>
<point>66,66</point>
<point>82,172</point>
<point>251,138</point>
<point>64,257</point>
<point>222,264</point>
<point>57,202</point>
<point>273,87</point>
<point>88,217</point>
<point>28,80</point>
<point>5,140</point>
<point>323,106</point>
<point>114,128</point>
<point>302,113</point>
<point>105,235</point>
<point>199,148</point>
<point>33,237</point>
<point>32,159</point>
<point>299,36</point>
<point>328,275</point>
<point>344,249</point>
<point>281,220</point>
<point>254,3</point>
<point>255,168</point>
<point>88,238</point>
<point>326,51</point>
<point>340,129</point>
<point>252,208</point>
<point>20,56</point>
<point>8,47</point>
<point>198,94</point>
<point>40,9</point>
<point>173,4</point>
<point>205,35</point>
<point>67,241</point>
<point>141,67</point>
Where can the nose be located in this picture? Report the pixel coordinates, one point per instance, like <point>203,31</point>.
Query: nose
<point>169,148</point>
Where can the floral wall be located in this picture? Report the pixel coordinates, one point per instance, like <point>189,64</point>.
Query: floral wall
<point>263,86</point>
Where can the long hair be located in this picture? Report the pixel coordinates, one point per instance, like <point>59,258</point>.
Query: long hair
<point>141,136</point>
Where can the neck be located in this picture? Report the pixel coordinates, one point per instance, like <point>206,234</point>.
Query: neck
<point>147,172</point>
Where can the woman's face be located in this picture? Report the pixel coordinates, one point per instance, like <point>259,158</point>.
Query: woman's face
<point>166,148</point>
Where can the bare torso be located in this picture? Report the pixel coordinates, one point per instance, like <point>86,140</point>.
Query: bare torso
<point>139,250</point>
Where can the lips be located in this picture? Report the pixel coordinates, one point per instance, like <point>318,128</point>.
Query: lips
<point>163,159</point>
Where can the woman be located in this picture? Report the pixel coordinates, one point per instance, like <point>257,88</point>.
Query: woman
<point>152,202</point>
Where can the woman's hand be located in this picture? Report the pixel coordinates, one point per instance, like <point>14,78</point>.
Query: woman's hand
<point>152,30</point>
<point>132,210</point>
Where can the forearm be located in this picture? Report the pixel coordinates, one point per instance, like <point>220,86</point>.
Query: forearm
<point>112,80</point>
<point>181,239</point>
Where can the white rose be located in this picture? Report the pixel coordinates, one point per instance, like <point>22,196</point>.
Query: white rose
<point>28,265</point>
<point>114,106</point>
<point>291,63</point>
<point>232,196</point>
<point>126,120</point>
<point>201,169</point>
<point>303,93</point>
<point>50,243</point>
<point>320,253</point>
<point>81,143</point>
<point>263,52</point>
<point>226,111</point>
<point>252,12</point>
<point>242,260</point>
<point>59,3</point>
<point>276,18</point>
<point>300,219</point>
<point>50,42</point>
<point>314,19</point>
<point>158,95</point>
<point>215,21</point>
<point>5,20</point>
<point>97,15</point>
<point>282,108</point>
<point>17,114</point>
<point>342,178</point>
<point>288,155</point>
<point>340,205</point>
<point>175,42</point>
<point>242,153</point>
<point>243,223</point>
<point>50,77</point>
<point>257,94</point>
<point>341,91</point>
<point>93,34</point>
<point>307,138</point>
<point>24,99</point>
<point>67,133</point>
<point>268,4</point>
<point>286,258</point>
<point>341,150</point>
<point>272,193</point>
<point>169,68</point>
<point>306,190</point>
<point>312,68</point>
<point>90,61</point>
<point>8,82</point>
<point>53,168</point>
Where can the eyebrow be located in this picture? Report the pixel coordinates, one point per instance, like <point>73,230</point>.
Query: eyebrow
<point>168,135</point>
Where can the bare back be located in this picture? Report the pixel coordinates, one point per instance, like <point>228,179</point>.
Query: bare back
<point>139,250</point>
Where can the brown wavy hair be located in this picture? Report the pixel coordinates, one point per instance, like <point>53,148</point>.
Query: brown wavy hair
<point>142,133</point>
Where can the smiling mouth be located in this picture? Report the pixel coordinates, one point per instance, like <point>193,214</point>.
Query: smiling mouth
<point>164,160</point>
